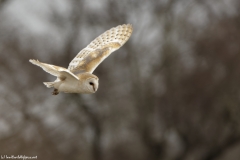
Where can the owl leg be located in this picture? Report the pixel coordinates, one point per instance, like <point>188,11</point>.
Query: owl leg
<point>55,92</point>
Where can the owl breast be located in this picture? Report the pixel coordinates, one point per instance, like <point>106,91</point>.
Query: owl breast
<point>70,87</point>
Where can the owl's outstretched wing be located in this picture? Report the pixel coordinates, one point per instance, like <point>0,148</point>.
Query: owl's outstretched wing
<point>60,72</point>
<point>100,48</point>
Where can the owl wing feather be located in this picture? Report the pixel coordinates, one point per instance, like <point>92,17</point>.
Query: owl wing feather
<point>100,48</point>
<point>60,72</point>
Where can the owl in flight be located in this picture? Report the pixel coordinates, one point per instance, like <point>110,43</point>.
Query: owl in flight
<point>78,78</point>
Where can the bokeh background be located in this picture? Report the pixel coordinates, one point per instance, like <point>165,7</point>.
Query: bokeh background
<point>172,92</point>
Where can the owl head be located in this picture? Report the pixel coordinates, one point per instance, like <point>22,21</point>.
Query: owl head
<point>89,82</point>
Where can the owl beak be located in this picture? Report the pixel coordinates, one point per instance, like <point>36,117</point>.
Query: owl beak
<point>95,87</point>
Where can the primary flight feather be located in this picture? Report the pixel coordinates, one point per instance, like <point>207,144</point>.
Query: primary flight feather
<point>78,78</point>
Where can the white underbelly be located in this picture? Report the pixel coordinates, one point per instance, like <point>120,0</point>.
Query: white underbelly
<point>68,87</point>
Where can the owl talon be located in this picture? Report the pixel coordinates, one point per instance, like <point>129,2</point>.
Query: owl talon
<point>55,92</point>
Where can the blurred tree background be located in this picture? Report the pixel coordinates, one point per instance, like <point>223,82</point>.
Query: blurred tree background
<point>172,92</point>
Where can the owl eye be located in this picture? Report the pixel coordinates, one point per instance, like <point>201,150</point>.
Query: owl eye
<point>92,84</point>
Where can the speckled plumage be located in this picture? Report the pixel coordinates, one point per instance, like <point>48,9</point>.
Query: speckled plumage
<point>100,48</point>
<point>78,78</point>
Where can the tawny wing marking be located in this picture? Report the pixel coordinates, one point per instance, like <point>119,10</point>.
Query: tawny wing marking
<point>60,72</point>
<point>100,48</point>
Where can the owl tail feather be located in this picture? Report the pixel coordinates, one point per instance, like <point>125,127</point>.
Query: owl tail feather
<point>49,84</point>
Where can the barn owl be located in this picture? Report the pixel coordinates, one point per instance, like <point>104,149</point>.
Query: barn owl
<point>78,78</point>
